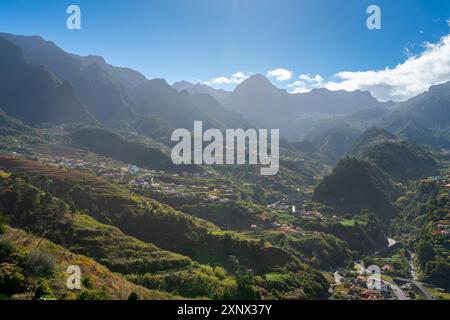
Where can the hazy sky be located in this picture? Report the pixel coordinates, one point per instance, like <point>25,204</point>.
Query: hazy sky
<point>311,41</point>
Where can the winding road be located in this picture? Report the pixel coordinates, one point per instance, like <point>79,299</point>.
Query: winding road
<point>420,287</point>
<point>398,292</point>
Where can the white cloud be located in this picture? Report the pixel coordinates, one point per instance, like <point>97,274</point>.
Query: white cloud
<point>236,78</point>
<point>306,83</point>
<point>406,80</point>
<point>280,74</point>
<point>448,22</point>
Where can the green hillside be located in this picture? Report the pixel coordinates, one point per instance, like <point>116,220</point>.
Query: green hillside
<point>34,95</point>
<point>109,144</point>
<point>33,268</point>
<point>400,159</point>
<point>422,226</point>
<point>356,185</point>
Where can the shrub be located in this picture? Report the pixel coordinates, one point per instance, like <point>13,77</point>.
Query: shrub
<point>133,296</point>
<point>43,292</point>
<point>40,264</point>
<point>220,273</point>
<point>6,249</point>
<point>11,278</point>
<point>93,295</point>
<point>87,282</point>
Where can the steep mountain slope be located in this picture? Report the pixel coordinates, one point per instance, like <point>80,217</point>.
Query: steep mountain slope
<point>400,159</point>
<point>109,144</point>
<point>423,227</point>
<point>335,102</point>
<point>157,99</point>
<point>34,95</point>
<point>432,108</point>
<point>68,66</point>
<point>333,140</point>
<point>11,126</point>
<point>23,282</point>
<point>97,85</point>
<point>30,208</point>
<point>50,217</point>
<point>105,99</point>
<point>424,118</point>
<point>126,77</point>
<point>409,128</point>
<point>354,186</point>
<point>214,110</point>
<point>218,94</point>
<point>15,136</point>
<point>265,105</point>
<point>260,102</point>
<point>147,219</point>
<point>39,52</point>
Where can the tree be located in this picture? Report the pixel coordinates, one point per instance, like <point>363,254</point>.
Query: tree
<point>425,251</point>
<point>233,263</point>
<point>93,295</point>
<point>44,292</point>
<point>245,288</point>
<point>133,296</point>
<point>40,264</point>
<point>11,278</point>
<point>6,249</point>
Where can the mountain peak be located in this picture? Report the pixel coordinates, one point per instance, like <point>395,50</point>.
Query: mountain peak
<point>256,82</point>
<point>182,83</point>
<point>257,78</point>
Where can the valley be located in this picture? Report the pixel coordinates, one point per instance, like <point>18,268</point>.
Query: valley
<point>93,185</point>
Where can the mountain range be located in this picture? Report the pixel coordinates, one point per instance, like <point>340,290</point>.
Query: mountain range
<point>85,170</point>
<point>117,97</point>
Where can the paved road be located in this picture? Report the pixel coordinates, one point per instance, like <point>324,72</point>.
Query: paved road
<point>420,286</point>
<point>391,243</point>
<point>398,292</point>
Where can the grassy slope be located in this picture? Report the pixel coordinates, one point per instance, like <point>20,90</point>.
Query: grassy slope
<point>101,277</point>
<point>147,219</point>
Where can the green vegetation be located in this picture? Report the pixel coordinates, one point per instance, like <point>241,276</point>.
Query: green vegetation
<point>399,159</point>
<point>355,185</point>
<point>439,294</point>
<point>34,268</point>
<point>349,222</point>
<point>109,144</point>
<point>364,233</point>
<point>422,226</point>
<point>86,179</point>
<point>398,264</point>
<point>320,250</point>
<point>34,95</point>
<point>142,262</point>
<point>148,220</point>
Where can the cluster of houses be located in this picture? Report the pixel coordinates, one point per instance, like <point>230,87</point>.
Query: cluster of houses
<point>282,205</point>
<point>134,176</point>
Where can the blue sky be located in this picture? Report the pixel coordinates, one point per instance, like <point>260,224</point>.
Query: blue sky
<point>199,40</point>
